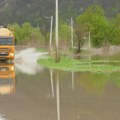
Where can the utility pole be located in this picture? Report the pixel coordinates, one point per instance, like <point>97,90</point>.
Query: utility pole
<point>89,46</point>
<point>89,41</point>
<point>45,33</point>
<point>51,26</point>
<point>56,32</point>
<point>72,33</point>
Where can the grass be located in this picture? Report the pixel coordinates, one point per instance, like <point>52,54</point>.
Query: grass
<point>41,50</point>
<point>81,65</point>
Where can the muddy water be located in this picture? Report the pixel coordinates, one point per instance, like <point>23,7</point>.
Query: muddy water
<point>59,95</point>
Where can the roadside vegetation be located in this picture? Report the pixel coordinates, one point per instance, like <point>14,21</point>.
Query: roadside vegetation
<point>90,29</point>
<point>103,31</point>
<point>27,34</point>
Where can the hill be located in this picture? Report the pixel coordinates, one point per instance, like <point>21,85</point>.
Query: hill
<point>33,11</point>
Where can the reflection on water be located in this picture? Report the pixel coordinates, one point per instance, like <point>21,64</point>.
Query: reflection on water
<point>52,84</point>
<point>7,78</point>
<point>93,82</point>
<point>7,81</point>
<point>95,85</point>
<point>28,68</point>
<point>59,95</point>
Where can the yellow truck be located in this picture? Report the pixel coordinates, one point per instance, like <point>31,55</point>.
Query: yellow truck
<point>7,78</point>
<point>7,42</point>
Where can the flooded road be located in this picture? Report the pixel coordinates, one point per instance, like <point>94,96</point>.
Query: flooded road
<point>46,94</point>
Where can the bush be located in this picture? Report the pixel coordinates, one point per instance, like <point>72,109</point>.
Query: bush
<point>26,34</point>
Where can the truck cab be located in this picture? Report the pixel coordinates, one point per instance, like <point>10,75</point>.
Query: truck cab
<point>7,42</point>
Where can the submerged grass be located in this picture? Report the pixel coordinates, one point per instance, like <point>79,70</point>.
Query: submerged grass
<point>81,65</point>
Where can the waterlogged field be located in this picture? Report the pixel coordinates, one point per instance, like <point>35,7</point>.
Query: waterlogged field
<point>42,93</point>
<point>92,65</point>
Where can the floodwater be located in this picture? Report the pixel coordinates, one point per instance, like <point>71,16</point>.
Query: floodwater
<point>38,93</point>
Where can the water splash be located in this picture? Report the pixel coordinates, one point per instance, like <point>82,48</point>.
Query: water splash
<point>26,61</point>
<point>2,117</point>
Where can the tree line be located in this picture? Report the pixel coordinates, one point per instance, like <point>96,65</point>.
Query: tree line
<point>92,24</point>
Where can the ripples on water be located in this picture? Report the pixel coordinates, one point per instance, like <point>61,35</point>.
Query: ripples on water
<point>2,117</point>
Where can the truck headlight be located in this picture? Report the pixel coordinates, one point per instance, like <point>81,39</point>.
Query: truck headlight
<point>11,54</point>
<point>12,68</point>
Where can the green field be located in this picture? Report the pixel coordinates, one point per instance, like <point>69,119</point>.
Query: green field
<point>81,65</point>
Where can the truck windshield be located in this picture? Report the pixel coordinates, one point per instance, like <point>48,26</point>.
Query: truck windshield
<point>6,41</point>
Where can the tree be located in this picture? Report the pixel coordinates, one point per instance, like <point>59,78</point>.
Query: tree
<point>114,35</point>
<point>64,35</point>
<point>26,34</point>
<point>17,30</point>
<point>80,32</point>
<point>93,20</point>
